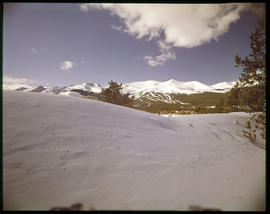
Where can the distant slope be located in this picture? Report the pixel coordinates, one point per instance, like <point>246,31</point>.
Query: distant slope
<point>178,100</point>
<point>61,150</point>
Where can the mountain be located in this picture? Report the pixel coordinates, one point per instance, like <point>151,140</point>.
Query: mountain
<point>38,89</point>
<point>84,89</point>
<point>165,91</point>
<point>20,89</point>
<point>176,87</point>
<point>146,92</point>
<point>89,87</point>
<point>223,85</point>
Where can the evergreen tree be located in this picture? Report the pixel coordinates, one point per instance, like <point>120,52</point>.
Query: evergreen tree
<point>232,100</point>
<point>220,105</point>
<point>253,73</point>
<point>113,94</point>
<point>251,84</point>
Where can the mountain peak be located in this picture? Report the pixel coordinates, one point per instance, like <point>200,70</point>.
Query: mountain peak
<point>38,89</point>
<point>172,80</point>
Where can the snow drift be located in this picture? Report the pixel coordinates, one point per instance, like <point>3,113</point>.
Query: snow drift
<point>60,150</point>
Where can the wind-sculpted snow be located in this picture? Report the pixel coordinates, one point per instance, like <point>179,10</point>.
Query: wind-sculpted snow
<point>59,151</point>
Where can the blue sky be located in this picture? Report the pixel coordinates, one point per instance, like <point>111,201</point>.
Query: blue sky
<point>63,44</point>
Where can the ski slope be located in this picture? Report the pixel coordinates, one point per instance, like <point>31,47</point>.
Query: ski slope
<point>60,150</point>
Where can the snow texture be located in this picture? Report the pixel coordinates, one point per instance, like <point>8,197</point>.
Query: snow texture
<point>60,150</point>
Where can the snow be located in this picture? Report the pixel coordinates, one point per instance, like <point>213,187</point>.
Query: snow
<point>70,93</point>
<point>223,85</point>
<point>90,87</point>
<point>139,89</point>
<point>136,87</point>
<point>60,150</point>
<point>174,86</point>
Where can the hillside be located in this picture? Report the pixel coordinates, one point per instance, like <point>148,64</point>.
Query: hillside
<point>61,150</point>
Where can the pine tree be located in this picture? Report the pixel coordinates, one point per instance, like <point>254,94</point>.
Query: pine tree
<point>113,94</point>
<point>251,84</point>
<point>232,100</point>
<point>254,66</point>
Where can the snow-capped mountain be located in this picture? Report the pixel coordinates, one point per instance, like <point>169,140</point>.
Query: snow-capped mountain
<point>150,90</point>
<point>174,86</point>
<point>223,86</point>
<point>90,87</point>
<point>72,90</point>
<point>162,91</point>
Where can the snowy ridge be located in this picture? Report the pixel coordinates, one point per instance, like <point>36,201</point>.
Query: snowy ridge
<point>173,86</point>
<point>150,89</point>
<point>140,88</point>
<point>65,90</point>
<point>223,85</point>
<point>90,87</point>
<point>160,91</point>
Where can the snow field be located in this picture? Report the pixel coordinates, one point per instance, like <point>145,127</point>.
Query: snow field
<point>60,150</point>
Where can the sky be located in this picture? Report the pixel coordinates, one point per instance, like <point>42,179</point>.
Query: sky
<point>58,44</point>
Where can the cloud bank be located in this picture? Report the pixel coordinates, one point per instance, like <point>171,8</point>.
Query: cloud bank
<point>173,25</point>
<point>11,83</point>
<point>66,65</point>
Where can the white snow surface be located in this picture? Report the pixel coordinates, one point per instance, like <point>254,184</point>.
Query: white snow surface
<point>90,87</point>
<point>70,93</point>
<point>61,150</point>
<point>223,85</point>
<point>174,86</point>
<point>66,90</point>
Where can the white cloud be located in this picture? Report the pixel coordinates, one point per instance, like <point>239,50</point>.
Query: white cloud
<point>173,25</point>
<point>161,59</point>
<point>118,28</point>
<point>11,83</point>
<point>66,65</point>
<point>84,7</point>
<point>34,51</point>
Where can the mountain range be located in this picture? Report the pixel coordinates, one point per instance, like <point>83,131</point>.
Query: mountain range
<point>150,90</point>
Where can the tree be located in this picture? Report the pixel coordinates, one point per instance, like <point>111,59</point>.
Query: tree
<point>253,73</point>
<point>113,94</point>
<point>232,100</point>
<point>251,84</point>
<point>220,105</point>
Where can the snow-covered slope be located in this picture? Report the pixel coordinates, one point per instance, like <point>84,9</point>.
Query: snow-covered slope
<point>61,150</point>
<point>90,87</point>
<point>223,85</point>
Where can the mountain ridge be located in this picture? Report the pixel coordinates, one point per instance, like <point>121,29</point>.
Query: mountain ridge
<point>150,90</point>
